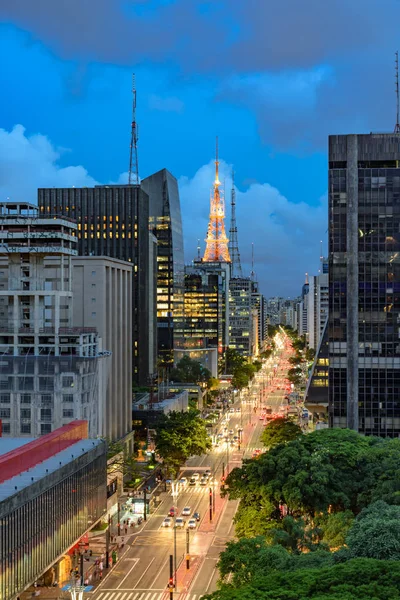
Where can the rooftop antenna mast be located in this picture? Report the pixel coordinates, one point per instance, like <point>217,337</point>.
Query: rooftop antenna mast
<point>198,250</point>
<point>236,266</point>
<point>396,62</point>
<point>133,173</point>
<point>252,273</point>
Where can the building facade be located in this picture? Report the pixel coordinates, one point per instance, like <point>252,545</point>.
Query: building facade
<point>166,224</point>
<point>364,283</point>
<point>50,370</point>
<point>241,315</point>
<point>206,305</point>
<point>102,298</point>
<point>113,221</point>
<point>52,491</point>
<point>317,308</point>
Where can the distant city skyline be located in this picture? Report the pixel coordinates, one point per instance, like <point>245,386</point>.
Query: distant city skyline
<point>272,104</point>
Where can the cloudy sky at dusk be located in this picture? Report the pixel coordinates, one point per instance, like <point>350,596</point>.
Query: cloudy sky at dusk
<point>271,79</point>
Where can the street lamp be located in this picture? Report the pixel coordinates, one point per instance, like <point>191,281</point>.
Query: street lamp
<point>76,591</point>
<point>174,494</point>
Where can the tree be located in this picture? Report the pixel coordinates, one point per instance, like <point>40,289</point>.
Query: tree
<point>279,431</point>
<point>119,462</point>
<point>189,371</point>
<point>376,533</point>
<point>335,527</point>
<point>361,579</point>
<point>180,435</point>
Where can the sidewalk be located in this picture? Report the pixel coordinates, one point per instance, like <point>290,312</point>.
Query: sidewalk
<point>206,526</point>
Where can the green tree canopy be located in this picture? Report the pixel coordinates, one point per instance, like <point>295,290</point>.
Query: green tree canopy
<point>279,431</point>
<point>189,371</point>
<point>180,435</point>
<point>376,533</point>
<point>359,578</point>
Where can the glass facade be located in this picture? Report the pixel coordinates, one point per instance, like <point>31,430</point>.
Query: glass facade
<point>364,282</point>
<point>240,315</point>
<point>166,224</point>
<point>39,523</point>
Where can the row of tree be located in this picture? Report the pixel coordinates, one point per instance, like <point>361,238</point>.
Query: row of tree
<point>318,518</point>
<point>237,365</point>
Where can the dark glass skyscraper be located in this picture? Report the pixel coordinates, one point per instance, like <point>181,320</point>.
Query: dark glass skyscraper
<point>364,283</point>
<point>166,224</point>
<point>113,221</point>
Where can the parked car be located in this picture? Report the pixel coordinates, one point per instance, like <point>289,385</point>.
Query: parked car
<point>167,522</point>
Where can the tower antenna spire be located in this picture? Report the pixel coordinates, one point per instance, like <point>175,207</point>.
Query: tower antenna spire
<point>133,173</point>
<point>252,273</point>
<point>216,240</point>
<point>396,62</point>
<point>236,266</point>
<point>198,250</point>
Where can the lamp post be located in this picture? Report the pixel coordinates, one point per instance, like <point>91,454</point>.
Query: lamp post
<point>174,494</point>
<point>76,591</point>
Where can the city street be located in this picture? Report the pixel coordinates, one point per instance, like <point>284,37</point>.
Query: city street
<point>143,571</point>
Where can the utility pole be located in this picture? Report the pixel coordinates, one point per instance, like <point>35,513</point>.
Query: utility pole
<point>187,549</point>
<point>171,577</point>
<point>144,504</point>
<point>211,511</point>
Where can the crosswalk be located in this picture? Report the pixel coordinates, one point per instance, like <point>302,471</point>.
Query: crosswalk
<point>144,595</point>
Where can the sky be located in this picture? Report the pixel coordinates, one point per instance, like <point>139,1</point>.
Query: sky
<point>271,79</point>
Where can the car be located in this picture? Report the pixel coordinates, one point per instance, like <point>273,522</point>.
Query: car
<point>168,481</point>
<point>173,512</point>
<point>180,523</point>
<point>196,476</point>
<point>235,438</point>
<point>192,524</point>
<point>186,511</point>
<point>196,516</point>
<point>220,435</point>
<point>167,522</point>
<point>207,473</point>
<point>238,410</point>
<point>203,481</point>
<point>231,410</point>
<point>183,481</point>
<point>192,481</point>
<point>230,432</point>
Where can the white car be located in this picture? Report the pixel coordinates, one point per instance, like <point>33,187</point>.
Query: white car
<point>196,476</point>
<point>167,522</point>
<point>192,524</point>
<point>186,511</point>
<point>183,481</point>
<point>180,523</point>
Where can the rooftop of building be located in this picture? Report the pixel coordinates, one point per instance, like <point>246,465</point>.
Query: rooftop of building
<point>10,444</point>
<point>22,480</point>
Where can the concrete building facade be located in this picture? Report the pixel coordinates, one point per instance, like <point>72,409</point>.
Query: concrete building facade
<point>317,308</point>
<point>102,292</point>
<point>241,315</point>
<point>364,283</point>
<point>50,370</point>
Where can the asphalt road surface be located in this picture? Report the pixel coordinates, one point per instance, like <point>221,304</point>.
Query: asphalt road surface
<point>143,571</point>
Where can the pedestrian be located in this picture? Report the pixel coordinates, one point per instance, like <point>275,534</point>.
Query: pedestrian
<point>101,565</point>
<point>126,530</point>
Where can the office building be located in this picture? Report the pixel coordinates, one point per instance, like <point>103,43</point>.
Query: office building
<point>241,315</point>
<point>166,224</point>
<point>207,357</point>
<point>206,305</point>
<point>52,491</point>
<point>113,221</point>
<point>316,397</point>
<point>317,307</point>
<point>364,283</point>
<point>50,370</point>
<point>102,292</point>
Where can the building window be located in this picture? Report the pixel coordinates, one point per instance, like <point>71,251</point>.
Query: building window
<point>5,398</point>
<point>68,413</point>
<point>46,399</point>
<point>93,300</point>
<point>68,381</point>
<point>93,285</point>
<point>45,414</point>
<point>25,413</point>
<point>6,427</point>
<point>93,273</point>
<point>25,428</point>
<point>68,398</point>
<point>93,314</point>
<point>45,428</point>
<point>5,413</point>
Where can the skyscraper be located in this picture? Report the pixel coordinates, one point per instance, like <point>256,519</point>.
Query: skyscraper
<point>113,221</point>
<point>166,224</point>
<point>364,283</point>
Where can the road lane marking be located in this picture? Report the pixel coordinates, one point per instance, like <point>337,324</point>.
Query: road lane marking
<point>135,562</point>
<point>145,571</point>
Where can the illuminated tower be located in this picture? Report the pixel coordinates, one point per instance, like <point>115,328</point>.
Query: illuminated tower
<point>217,242</point>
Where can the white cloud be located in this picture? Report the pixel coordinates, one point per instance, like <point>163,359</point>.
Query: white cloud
<point>286,235</point>
<point>29,162</point>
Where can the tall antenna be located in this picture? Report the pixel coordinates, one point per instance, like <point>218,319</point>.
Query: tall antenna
<point>320,252</point>
<point>133,173</point>
<point>396,62</point>
<point>198,250</point>
<point>252,273</point>
<point>216,240</point>
<point>236,267</point>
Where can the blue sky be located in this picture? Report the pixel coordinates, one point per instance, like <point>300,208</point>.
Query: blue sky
<point>272,80</point>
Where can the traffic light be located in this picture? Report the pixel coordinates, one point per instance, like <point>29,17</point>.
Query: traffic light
<point>171,583</point>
